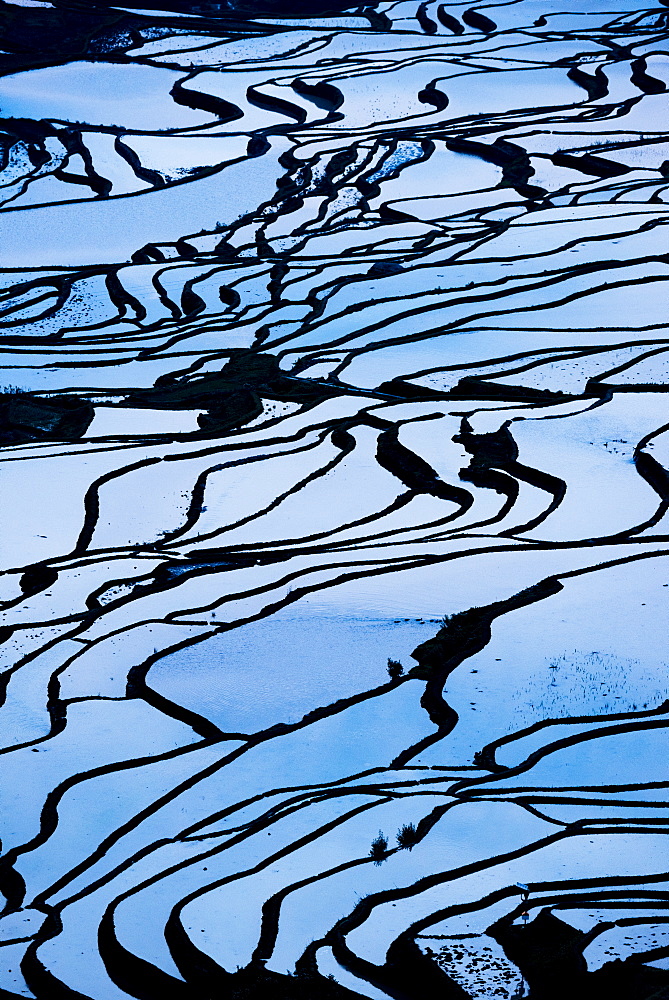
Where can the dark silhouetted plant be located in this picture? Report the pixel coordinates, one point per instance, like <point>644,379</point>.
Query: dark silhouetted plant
<point>457,626</point>
<point>407,836</point>
<point>379,849</point>
<point>395,669</point>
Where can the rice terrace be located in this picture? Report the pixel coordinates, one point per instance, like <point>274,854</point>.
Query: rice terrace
<point>334,464</point>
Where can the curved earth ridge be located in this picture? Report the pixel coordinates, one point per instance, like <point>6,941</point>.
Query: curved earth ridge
<point>336,477</point>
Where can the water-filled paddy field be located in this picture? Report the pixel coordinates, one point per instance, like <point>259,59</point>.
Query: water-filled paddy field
<point>334,477</point>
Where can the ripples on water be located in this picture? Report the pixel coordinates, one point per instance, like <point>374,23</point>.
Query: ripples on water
<point>334,339</point>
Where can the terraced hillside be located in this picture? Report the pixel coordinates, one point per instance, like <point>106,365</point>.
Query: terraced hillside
<point>334,460</point>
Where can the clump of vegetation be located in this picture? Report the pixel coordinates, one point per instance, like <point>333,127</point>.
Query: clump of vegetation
<point>395,669</point>
<point>453,622</point>
<point>458,625</point>
<point>379,849</point>
<point>407,836</point>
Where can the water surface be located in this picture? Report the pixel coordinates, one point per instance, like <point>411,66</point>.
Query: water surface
<point>335,483</point>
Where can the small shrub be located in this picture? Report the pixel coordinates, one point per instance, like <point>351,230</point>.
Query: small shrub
<point>379,849</point>
<point>449,621</point>
<point>458,625</point>
<point>395,669</point>
<point>407,836</point>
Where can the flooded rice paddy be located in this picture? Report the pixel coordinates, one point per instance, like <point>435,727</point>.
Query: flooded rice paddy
<point>334,463</point>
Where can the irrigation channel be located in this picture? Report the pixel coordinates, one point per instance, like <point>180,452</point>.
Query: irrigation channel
<point>334,460</point>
